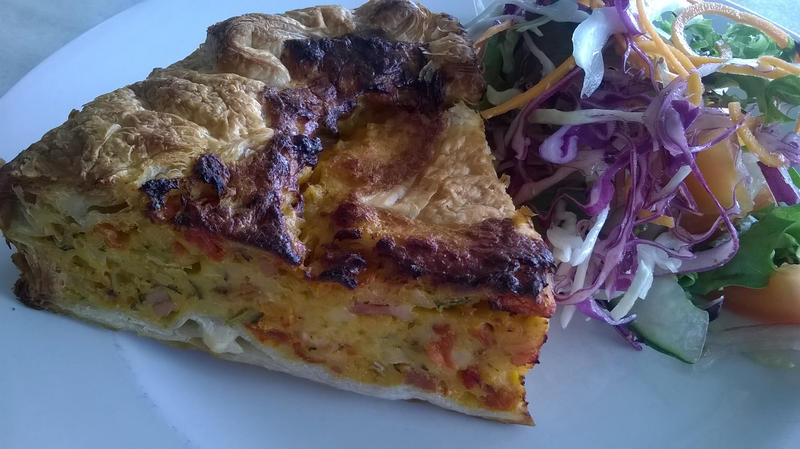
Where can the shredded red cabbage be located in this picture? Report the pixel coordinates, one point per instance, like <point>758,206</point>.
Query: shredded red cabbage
<point>633,171</point>
<point>780,183</point>
<point>777,140</point>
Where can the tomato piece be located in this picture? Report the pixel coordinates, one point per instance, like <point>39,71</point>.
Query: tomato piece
<point>777,303</point>
<point>484,334</point>
<point>441,351</point>
<point>470,377</point>
<point>274,335</point>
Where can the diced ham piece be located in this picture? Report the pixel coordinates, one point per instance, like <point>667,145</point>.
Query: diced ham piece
<point>161,302</point>
<point>421,380</point>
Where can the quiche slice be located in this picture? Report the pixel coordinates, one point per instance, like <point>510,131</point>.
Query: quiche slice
<point>310,192</point>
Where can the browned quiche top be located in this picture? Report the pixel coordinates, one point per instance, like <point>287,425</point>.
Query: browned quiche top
<point>340,141</point>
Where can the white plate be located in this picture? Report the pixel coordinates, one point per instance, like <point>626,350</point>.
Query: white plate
<point>67,384</point>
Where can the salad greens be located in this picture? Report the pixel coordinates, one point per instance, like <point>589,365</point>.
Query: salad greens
<point>508,61</point>
<point>636,171</point>
<point>770,242</point>
<point>770,96</point>
<point>743,41</point>
<point>748,42</point>
<point>700,35</point>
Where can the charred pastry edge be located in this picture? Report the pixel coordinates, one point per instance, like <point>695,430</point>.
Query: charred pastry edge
<point>301,149</point>
<point>211,170</point>
<point>22,291</point>
<point>288,150</point>
<point>491,253</point>
<point>335,72</point>
<point>157,189</point>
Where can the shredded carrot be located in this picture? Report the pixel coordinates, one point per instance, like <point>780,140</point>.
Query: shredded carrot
<point>780,64</point>
<point>525,97</point>
<point>695,88</point>
<point>480,42</point>
<point>664,220</point>
<point>697,60</point>
<point>681,57</point>
<point>648,26</point>
<point>695,83</point>
<point>797,126</point>
<point>654,52</point>
<point>744,70</point>
<point>679,37</point>
<point>746,135</point>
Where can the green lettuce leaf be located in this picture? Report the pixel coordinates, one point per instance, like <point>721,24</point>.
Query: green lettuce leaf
<point>750,43</point>
<point>794,175</point>
<point>744,41</point>
<point>769,95</point>
<point>753,88</point>
<point>508,62</point>
<point>700,35</point>
<point>781,90</point>
<point>770,242</point>
<point>499,60</point>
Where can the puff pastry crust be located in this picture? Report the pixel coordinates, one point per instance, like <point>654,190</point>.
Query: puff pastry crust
<point>310,192</point>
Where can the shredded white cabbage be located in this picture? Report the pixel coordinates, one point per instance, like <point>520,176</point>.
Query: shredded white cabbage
<point>578,282</point>
<point>757,180</point>
<point>676,180</point>
<point>533,25</point>
<point>564,236</point>
<point>588,41</point>
<point>649,259</point>
<point>583,116</point>
<point>561,11</point>
<point>570,250</point>
<point>496,97</point>
<point>478,6</point>
<point>568,246</point>
<point>640,285</point>
<point>547,64</point>
<point>567,312</point>
<point>582,253</point>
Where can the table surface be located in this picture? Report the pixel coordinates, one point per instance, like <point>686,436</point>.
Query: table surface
<point>32,30</point>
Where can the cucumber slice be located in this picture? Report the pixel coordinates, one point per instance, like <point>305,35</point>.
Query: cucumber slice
<point>667,321</point>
